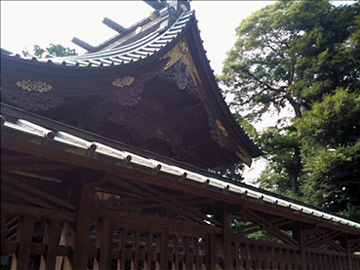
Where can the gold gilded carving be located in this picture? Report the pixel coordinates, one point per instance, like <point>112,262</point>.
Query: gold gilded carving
<point>183,7</point>
<point>244,156</point>
<point>181,50</point>
<point>38,86</point>
<point>152,16</point>
<point>221,127</point>
<point>124,81</point>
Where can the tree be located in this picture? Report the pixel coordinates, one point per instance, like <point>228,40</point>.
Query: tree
<point>55,50</point>
<point>290,55</point>
<point>330,135</point>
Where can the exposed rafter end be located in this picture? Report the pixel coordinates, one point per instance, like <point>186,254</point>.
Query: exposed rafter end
<point>156,4</point>
<point>82,44</point>
<point>113,25</point>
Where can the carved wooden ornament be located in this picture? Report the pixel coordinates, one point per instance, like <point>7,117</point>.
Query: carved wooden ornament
<point>181,50</point>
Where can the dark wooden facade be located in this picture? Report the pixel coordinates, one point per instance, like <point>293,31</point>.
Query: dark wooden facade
<point>105,167</point>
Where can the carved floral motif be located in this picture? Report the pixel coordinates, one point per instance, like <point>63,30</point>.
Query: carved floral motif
<point>34,101</point>
<point>124,81</point>
<point>179,74</point>
<point>125,97</point>
<point>36,86</point>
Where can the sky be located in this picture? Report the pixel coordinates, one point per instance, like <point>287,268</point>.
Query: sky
<point>26,23</point>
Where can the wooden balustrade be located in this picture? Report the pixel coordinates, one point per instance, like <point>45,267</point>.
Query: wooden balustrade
<point>125,242</point>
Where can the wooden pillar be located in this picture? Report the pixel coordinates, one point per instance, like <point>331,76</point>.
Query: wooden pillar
<point>164,240</point>
<point>24,238</point>
<point>226,240</point>
<point>3,221</point>
<point>298,235</point>
<point>83,226</point>
<point>346,244</point>
<point>105,244</point>
<point>211,254</point>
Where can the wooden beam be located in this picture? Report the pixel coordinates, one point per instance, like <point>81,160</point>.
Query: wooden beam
<point>317,239</point>
<point>144,222</point>
<point>329,240</point>
<point>83,225</point>
<point>252,216</point>
<point>37,192</point>
<point>37,167</point>
<point>24,237</point>
<point>36,212</point>
<point>82,44</point>
<point>298,234</point>
<point>171,204</point>
<point>113,25</point>
<point>227,240</point>
<point>105,243</point>
<point>25,197</point>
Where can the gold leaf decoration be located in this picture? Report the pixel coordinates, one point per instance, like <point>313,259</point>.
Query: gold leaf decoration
<point>124,81</point>
<point>152,16</point>
<point>36,86</point>
<point>181,50</point>
<point>244,156</point>
<point>222,128</point>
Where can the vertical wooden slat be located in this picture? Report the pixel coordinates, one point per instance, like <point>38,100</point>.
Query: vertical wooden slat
<point>148,250</point>
<point>105,244</point>
<point>3,221</point>
<point>236,255</point>
<point>136,248</point>
<point>212,252</point>
<point>176,251</point>
<point>67,238</point>
<point>83,226</point>
<point>24,237</point>
<point>187,251</point>
<point>257,256</point>
<point>164,240</point>
<point>197,253</point>
<point>123,249</point>
<point>246,256</point>
<point>51,239</point>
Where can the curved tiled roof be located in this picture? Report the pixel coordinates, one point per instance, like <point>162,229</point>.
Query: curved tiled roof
<point>140,49</point>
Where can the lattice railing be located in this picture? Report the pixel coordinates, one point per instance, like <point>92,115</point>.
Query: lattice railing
<point>253,254</point>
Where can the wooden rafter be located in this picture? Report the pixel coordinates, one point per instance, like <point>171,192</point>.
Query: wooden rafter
<point>25,197</point>
<point>319,238</point>
<point>356,246</point>
<point>255,227</point>
<point>143,200</point>
<point>37,167</point>
<point>328,240</point>
<point>172,204</point>
<point>269,227</point>
<point>29,189</point>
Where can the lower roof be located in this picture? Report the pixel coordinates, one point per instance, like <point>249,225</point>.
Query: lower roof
<point>19,123</point>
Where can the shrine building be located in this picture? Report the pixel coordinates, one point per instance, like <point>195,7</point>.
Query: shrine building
<point>109,161</point>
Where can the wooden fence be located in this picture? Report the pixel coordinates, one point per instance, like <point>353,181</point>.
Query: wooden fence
<point>33,238</point>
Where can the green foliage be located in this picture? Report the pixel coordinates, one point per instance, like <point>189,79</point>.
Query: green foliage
<point>330,135</point>
<point>55,50</point>
<point>293,55</point>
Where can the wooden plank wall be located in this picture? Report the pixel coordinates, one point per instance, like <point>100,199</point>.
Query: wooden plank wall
<point>36,239</point>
